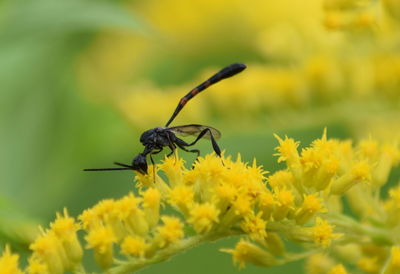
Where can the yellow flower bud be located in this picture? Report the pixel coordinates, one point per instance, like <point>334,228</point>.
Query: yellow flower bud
<point>246,252</point>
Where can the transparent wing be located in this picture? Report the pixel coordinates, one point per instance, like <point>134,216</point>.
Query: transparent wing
<point>195,130</point>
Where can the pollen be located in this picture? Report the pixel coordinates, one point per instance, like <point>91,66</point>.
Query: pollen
<point>242,206</point>
<point>64,227</point>
<point>311,205</point>
<point>331,165</point>
<point>225,192</point>
<point>172,167</point>
<point>89,219</point>
<point>151,198</point>
<point>323,233</point>
<point>101,239</point>
<point>287,149</point>
<point>284,198</point>
<point>311,159</point>
<point>281,179</point>
<point>134,246</point>
<point>125,207</point>
<point>203,217</point>
<point>255,227</point>
<point>266,203</point>
<point>361,171</point>
<point>170,232</point>
<point>284,203</point>
<point>183,197</point>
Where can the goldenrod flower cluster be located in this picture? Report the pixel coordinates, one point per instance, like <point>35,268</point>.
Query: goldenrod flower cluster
<point>222,197</point>
<point>331,58</point>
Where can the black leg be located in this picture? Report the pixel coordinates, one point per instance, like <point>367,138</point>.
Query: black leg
<point>213,142</point>
<point>189,150</point>
<point>152,162</point>
<point>172,147</point>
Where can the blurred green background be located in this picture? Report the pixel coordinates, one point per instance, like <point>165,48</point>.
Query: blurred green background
<point>81,80</point>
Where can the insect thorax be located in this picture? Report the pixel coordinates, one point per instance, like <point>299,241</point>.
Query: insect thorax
<point>158,135</point>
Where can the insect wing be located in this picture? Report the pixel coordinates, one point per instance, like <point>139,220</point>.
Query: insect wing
<point>195,130</point>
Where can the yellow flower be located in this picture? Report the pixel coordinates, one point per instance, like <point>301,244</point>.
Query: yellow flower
<point>151,205</point>
<point>134,246</point>
<point>360,172</point>
<point>49,250</point>
<point>338,269</point>
<point>284,203</point>
<point>220,198</point>
<point>225,193</point>
<point>246,252</point>
<point>173,166</point>
<point>323,233</point>
<point>170,232</point>
<point>182,197</point>
<point>36,266</point>
<point>242,206</point>
<point>369,264</point>
<point>255,227</point>
<point>267,203</point>
<point>203,217</point>
<point>369,148</point>
<point>65,229</point>
<point>281,179</point>
<point>127,210</point>
<point>9,262</point>
<point>394,263</point>
<point>287,150</point>
<point>311,205</point>
<point>319,263</point>
<point>101,239</point>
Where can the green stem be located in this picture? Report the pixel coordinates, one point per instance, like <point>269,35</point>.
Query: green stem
<point>376,234</point>
<point>165,254</point>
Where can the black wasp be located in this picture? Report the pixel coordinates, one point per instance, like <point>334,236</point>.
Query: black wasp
<point>155,139</point>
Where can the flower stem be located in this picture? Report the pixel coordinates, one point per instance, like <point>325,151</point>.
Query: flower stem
<point>165,254</point>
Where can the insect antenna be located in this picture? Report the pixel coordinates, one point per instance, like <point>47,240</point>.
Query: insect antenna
<point>226,72</point>
<point>106,169</point>
<point>124,165</point>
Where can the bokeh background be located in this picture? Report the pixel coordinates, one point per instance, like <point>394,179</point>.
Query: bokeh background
<point>80,80</point>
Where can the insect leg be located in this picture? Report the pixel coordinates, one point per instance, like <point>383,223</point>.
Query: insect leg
<point>182,145</point>
<point>172,146</point>
<point>213,142</point>
<point>153,164</point>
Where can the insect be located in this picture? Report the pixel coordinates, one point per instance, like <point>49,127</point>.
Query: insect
<point>154,140</point>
